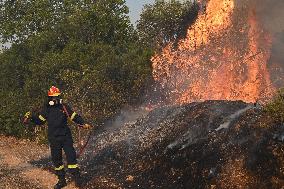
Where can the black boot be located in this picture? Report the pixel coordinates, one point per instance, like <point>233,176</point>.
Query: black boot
<point>78,180</point>
<point>77,177</point>
<point>61,182</point>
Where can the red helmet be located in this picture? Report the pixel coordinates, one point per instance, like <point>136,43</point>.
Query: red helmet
<point>54,91</point>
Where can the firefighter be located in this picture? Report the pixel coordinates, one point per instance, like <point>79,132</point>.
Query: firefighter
<point>55,113</point>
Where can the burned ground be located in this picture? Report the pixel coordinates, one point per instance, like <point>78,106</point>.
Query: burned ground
<point>199,145</point>
<point>213,144</point>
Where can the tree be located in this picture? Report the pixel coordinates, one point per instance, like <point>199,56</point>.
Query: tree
<point>165,22</point>
<point>87,48</point>
<point>86,20</point>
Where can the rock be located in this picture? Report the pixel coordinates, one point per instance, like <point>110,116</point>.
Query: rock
<point>129,178</point>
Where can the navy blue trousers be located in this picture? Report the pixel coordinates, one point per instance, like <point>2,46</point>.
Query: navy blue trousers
<point>65,143</point>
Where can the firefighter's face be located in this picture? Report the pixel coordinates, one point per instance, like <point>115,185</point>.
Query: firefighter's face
<point>55,100</point>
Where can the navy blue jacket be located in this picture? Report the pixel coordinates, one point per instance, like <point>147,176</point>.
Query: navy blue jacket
<point>56,118</point>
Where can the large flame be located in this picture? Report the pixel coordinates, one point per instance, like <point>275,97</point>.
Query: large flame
<point>223,57</point>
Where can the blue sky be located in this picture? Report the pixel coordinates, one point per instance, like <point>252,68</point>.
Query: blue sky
<point>135,8</point>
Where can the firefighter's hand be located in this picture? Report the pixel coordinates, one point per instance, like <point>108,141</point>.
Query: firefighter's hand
<point>87,126</point>
<point>28,115</point>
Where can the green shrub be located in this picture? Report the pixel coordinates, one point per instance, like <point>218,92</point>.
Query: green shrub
<point>87,49</point>
<point>275,108</point>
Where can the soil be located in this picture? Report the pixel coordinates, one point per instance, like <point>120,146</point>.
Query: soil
<point>16,169</point>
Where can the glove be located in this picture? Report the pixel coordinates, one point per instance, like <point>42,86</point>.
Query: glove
<point>27,116</point>
<point>87,126</point>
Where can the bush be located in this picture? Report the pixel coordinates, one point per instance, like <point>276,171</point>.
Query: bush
<point>90,53</point>
<point>165,21</point>
<point>275,108</point>
<point>10,114</point>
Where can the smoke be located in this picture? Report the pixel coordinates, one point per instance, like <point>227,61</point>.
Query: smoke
<point>276,63</point>
<point>271,15</point>
<point>126,115</point>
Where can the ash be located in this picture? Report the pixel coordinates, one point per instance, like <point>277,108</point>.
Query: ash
<point>188,146</point>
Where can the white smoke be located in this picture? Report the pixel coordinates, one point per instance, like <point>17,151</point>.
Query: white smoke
<point>127,115</point>
<point>271,15</point>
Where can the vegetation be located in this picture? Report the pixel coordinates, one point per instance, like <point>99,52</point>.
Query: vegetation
<point>165,22</point>
<point>275,108</point>
<point>89,49</point>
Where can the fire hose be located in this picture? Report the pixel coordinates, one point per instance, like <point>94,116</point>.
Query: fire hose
<point>81,147</point>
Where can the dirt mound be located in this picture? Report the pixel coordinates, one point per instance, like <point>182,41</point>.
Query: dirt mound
<point>214,144</point>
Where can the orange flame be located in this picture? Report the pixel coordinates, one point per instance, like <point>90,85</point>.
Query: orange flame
<point>223,57</point>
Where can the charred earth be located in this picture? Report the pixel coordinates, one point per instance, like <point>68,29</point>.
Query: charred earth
<point>211,144</point>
